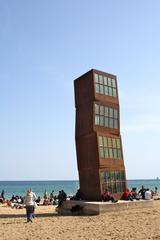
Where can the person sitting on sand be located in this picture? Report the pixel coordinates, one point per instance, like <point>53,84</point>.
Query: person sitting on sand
<point>147,194</point>
<point>77,196</point>
<point>106,196</point>
<point>62,196</point>
<point>142,192</point>
<point>127,195</point>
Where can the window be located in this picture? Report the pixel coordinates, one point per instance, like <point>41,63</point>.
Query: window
<point>111,147</point>
<point>97,120</point>
<point>101,152</point>
<point>97,88</point>
<point>100,141</point>
<point>96,77</point>
<point>113,83</point>
<point>106,111</point>
<point>109,82</point>
<point>101,89</point>
<point>101,110</point>
<point>106,152</point>
<point>106,119</point>
<point>113,181</point>
<point>105,85</point>
<point>100,79</point>
<point>108,116</point>
<point>96,109</point>
<point>101,123</point>
<point>105,80</point>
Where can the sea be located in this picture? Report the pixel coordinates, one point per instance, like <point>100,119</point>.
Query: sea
<point>70,187</point>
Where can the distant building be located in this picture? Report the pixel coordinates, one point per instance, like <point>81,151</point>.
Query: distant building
<point>98,141</point>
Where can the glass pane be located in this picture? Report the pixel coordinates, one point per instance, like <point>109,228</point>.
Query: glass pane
<point>96,77</point>
<point>115,153</point>
<point>106,111</point>
<point>110,153</point>
<point>101,152</point>
<point>115,123</point>
<point>108,176</point>
<point>97,109</point>
<point>101,121</point>
<point>100,79</point>
<point>106,90</point>
<point>113,82</point>
<point>101,110</point>
<point>103,176</point>
<point>106,121</point>
<point>109,187</point>
<point>96,120</point>
<point>117,173</point>
<point>118,187</point>
<point>114,92</point>
<point>97,88</point>
<point>105,80</point>
<point>119,154</point>
<point>105,141</point>
<point>106,152</point>
<point>122,175</point>
<point>103,187</point>
<point>109,143</point>
<point>101,89</point>
<point>110,91</point>
<point>111,122</point>
<point>118,143</point>
<point>112,176</point>
<point>123,186</point>
<point>115,113</point>
<point>109,82</point>
<point>100,140</point>
<point>114,142</point>
<point>114,189</point>
<point>111,112</point>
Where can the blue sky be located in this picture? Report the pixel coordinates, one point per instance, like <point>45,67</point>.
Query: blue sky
<point>44,46</point>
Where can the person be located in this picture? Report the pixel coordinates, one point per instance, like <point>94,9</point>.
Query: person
<point>77,196</point>
<point>147,195</point>
<point>62,196</point>
<point>127,195</point>
<point>38,200</point>
<point>29,202</point>
<point>106,196</point>
<point>142,192</point>
<point>35,204</point>
<point>134,193</point>
<point>45,196</point>
<point>2,194</point>
<point>156,190</point>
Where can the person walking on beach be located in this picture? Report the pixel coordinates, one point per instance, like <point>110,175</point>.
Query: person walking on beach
<point>29,202</point>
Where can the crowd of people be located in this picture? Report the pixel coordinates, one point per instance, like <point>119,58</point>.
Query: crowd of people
<point>143,193</point>
<point>30,201</point>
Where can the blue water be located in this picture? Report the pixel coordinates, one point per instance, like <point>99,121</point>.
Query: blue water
<point>70,187</point>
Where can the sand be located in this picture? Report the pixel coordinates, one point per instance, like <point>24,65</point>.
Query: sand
<point>128,224</point>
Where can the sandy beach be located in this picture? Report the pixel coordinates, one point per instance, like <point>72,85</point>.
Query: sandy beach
<point>128,224</point>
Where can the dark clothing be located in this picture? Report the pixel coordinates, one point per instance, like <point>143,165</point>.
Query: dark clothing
<point>142,192</point>
<point>62,196</point>
<point>30,212</point>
